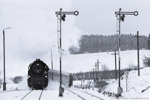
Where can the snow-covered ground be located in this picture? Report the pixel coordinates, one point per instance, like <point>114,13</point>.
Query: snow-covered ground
<point>47,95</point>
<point>75,63</point>
<point>85,62</point>
<point>135,85</point>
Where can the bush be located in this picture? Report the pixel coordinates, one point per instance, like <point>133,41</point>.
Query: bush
<point>17,79</point>
<point>132,67</point>
<point>146,61</point>
<point>104,67</point>
<point>105,71</point>
<point>100,84</point>
<point>73,50</point>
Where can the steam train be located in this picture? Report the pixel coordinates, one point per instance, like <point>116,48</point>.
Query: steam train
<point>38,75</point>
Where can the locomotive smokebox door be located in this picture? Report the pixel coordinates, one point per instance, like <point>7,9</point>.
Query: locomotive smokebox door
<point>38,75</point>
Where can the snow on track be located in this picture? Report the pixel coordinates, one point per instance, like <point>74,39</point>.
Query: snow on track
<point>53,95</point>
<point>90,94</point>
<point>26,94</point>
<point>33,95</point>
<point>76,94</point>
<point>12,95</point>
<point>84,95</point>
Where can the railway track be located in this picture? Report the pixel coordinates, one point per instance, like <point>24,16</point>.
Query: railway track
<point>76,94</point>
<point>89,94</point>
<point>84,95</point>
<point>33,94</point>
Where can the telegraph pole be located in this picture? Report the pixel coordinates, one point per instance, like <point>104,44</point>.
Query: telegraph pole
<point>138,54</point>
<point>120,16</point>
<point>93,75</point>
<point>60,58</point>
<point>4,83</point>
<point>81,79</point>
<point>95,71</point>
<point>126,73</point>
<point>61,15</point>
<point>115,65</point>
<point>52,63</point>
<point>98,69</point>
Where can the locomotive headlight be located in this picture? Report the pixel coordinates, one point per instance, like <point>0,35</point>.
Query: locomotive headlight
<point>46,76</point>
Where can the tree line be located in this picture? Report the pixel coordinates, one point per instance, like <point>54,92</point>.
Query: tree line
<point>101,43</point>
<point>96,76</point>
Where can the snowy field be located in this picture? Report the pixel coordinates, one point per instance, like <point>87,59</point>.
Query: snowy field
<point>85,62</point>
<point>73,63</point>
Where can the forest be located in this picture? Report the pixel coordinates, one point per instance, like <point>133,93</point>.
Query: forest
<point>101,43</point>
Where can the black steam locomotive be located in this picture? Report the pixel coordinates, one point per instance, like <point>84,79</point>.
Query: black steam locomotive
<point>38,75</point>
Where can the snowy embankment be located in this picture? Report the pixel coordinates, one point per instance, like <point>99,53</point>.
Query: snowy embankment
<point>135,84</point>
<point>10,85</point>
<point>138,87</point>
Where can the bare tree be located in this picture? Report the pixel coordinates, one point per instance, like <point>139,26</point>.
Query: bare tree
<point>146,61</point>
<point>104,72</point>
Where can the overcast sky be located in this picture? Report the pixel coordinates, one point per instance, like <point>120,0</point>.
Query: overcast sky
<point>34,23</point>
<point>98,16</point>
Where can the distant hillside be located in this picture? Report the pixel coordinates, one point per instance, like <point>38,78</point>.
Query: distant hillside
<point>101,43</point>
<point>86,62</point>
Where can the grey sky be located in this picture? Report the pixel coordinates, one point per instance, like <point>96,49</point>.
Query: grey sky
<point>98,16</point>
